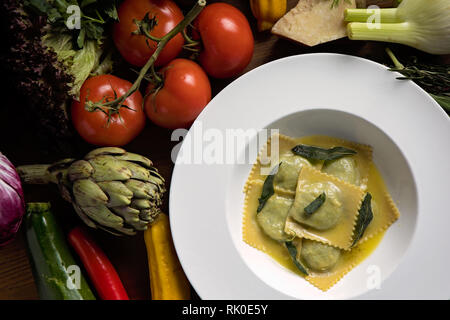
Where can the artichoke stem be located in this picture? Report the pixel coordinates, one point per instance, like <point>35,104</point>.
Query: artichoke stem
<point>36,174</point>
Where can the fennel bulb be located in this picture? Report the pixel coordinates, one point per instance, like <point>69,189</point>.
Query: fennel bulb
<point>422,24</point>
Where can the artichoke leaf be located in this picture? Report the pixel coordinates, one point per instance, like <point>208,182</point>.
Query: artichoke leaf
<point>136,158</point>
<point>137,172</point>
<point>107,168</point>
<point>58,171</point>
<point>80,169</point>
<point>142,190</point>
<point>140,225</point>
<point>102,215</point>
<point>141,204</point>
<point>131,217</point>
<point>88,194</point>
<point>112,151</point>
<point>129,214</point>
<point>158,181</point>
<point>118,193</point>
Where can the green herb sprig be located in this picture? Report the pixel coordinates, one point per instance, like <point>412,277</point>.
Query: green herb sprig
<point>317,153</point>
<point>315,204</point>
<point>364,218</point>
<point>267,190</point>
<point>292,249</point>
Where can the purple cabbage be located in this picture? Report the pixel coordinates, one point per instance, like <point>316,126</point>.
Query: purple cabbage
<point>12,204</point>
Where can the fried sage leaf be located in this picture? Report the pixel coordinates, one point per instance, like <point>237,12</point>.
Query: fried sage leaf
<point>292,249</point>
<point>364,218</point>
<point>317,153</point>
<point>267,190</point>
<point>315,205</point>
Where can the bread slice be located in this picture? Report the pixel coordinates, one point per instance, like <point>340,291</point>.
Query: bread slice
<point>312,22</point>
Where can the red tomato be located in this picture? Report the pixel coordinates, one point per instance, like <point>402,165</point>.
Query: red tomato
<point>137,49</point>
<point>94,127</point>
<point>227,40</point>
<point>185,93</point>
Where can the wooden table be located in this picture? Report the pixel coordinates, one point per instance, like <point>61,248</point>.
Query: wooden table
<point>20,145</point>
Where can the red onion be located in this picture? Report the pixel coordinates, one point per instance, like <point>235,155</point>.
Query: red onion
<point>12,204</point>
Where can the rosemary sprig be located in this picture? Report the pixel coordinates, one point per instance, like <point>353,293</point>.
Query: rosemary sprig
<point>433,78</point>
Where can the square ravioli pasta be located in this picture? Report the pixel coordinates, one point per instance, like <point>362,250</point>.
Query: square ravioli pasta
<point>265,230</point>
<point>334,220</point>
<point>326,265</point>
<point>353,169</point>
<point>286,177</point>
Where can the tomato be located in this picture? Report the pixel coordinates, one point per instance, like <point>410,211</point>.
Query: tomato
<point>137,49</point>
<point>185,93</point>
<point>93,126</point>
<point>227,40</point>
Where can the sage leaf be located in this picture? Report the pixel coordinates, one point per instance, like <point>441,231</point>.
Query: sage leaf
<point>317,153</point>
<point>292,249</point>
<point>315,205</point>
<point>267,190</point>
<point>364,218</point>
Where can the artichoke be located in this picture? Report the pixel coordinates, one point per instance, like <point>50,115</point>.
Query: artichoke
<point>110,188</point>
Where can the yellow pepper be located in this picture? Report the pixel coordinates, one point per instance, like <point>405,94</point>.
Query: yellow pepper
<point>167,279</point>
<point>267,12</point>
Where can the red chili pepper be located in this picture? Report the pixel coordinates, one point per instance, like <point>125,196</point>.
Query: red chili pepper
<point>99,268</point>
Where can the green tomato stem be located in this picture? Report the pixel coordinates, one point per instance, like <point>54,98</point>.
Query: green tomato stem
<point>117,103</point>
<point>189,41</point>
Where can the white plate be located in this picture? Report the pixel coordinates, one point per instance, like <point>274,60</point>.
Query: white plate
<point>331,94</point>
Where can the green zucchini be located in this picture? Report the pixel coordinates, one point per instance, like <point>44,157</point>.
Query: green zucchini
<point>50,257</point>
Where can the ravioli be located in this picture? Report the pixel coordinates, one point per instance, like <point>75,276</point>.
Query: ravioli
<point>287,176</point>
<point>252,233</point>
<point>352,169</point>
<point>273,216</point>
<point>334,221</point>
<point>328,215</point>
<point>335,263</point>
<point>323,236</point>
<point>344,168</point>
<point>318,256</point>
